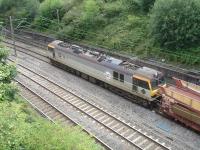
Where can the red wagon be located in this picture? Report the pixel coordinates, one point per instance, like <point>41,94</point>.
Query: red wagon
<point>182,103</point>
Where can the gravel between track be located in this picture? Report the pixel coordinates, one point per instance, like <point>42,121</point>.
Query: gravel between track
<point>124,108</point>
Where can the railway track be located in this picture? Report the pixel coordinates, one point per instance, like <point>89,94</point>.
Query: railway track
<point>130,134</point>
<point>26,39</point>
<point>50,111</point>
<point>29,52</point>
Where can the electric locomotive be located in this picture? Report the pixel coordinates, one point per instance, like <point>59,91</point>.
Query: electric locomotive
<point>140,84</point>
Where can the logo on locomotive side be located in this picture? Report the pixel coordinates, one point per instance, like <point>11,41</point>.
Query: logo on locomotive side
<point>108,75</point>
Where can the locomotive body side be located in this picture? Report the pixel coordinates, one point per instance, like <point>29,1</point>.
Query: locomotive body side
<point>97,71</point>
<point>136,81</point>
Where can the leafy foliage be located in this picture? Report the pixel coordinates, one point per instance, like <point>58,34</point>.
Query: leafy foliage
<point>113,9</point>
<point>48,13</point>
<point>4,52</point>
<point>90,19</point>
<point>19,8</point>
<point>48,8</point>
<point>18,132</point>
<point>139,5</point>
<point>91,9</point>
<point>146,5</point>
<point>6,5</point>
<point>7,73</point>
<point>8,90</point>
<point>175,23</point>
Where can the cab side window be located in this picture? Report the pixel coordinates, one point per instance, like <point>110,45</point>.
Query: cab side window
<point>121,78</point>
<point>118,76</point>
<point>143,84</point>
<point>140,83</point>
<point>115,75</point>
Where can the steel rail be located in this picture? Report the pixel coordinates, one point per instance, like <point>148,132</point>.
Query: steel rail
<point>41,56</point>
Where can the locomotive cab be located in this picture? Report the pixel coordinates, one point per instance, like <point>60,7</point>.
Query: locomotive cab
<point>146,86</point>
<point>156,83</point>
<point>51,49</point>
<point>148,81</point>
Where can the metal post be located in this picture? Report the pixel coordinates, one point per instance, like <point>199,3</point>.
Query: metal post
<point>1,29</point>
<point>58,18</point>
<point>13,36</point>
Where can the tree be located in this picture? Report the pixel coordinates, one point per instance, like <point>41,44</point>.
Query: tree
<point>175,23</point>
<point>146,5</point>
<point>90,12</point>
<point>47,13</point>
<point>19,8</point>
<point>48,8</point>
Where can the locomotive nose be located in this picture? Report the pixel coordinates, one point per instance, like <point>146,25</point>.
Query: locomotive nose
<point>154,93</point>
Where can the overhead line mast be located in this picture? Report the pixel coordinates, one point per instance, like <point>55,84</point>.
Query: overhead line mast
<point>13,36</point>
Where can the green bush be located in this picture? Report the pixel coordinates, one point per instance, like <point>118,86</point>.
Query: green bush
<point>19,8</point>
<point>6,5</point>
<point>4,52</point>
<point>175,23</point>
<point>49,8</point>
<point>146,5</point>
<point>47,13</point>
<point>132,5</point>
<point>142,6</point>
<point>8,92</point>
<point>113,9</point>
<point>72,15</point>
<point>7,73</point>
<point>17,132</point>
<point>31,9</point>
<point>87,19</point>
<point>90,11</point>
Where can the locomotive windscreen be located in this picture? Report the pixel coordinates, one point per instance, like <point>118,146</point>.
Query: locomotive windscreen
<point>156,82</point>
